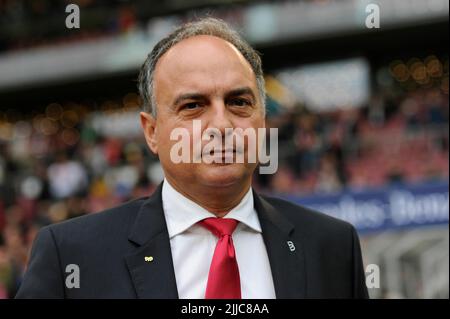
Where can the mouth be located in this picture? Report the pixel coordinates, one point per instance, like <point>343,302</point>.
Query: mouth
<point>223,154</point>
<point>228,151</point>
<point>219,152</point>
<point>221,157</point>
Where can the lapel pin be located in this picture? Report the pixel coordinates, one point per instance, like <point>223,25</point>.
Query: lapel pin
<point>291,245</point>
<point>148,258</point>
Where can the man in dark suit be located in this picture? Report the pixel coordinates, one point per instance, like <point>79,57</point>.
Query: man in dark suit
<point>204,233</point>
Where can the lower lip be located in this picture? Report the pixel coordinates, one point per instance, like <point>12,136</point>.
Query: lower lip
<point>222,155</point>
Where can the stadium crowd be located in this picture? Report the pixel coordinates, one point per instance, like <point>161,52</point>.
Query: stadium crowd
<point>66,162</point>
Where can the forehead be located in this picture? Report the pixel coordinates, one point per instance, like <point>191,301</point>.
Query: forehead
<point>201,63</point>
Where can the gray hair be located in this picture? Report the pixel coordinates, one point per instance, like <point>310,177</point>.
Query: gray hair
<point>205,26</point>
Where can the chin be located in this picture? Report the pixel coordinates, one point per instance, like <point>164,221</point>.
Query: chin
<point>223,175</point>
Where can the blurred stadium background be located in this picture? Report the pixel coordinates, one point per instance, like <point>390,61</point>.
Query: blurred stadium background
<point>362,117</point>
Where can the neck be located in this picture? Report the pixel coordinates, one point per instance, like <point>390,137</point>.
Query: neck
<point>217,200</point>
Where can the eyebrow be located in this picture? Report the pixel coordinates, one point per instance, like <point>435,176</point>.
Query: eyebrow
<point>241,91</point>
<point>188,96</point>
<point>200,96</point>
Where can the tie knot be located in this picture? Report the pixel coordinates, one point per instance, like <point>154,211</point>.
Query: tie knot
<point>219,226</point>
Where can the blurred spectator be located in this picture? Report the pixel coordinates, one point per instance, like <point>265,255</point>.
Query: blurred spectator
<point>47,178</point>
<point>66,177</point>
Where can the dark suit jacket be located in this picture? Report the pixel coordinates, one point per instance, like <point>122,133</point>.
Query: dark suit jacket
<point>311,255</point>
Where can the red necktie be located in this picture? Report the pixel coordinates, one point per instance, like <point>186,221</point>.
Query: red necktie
<point>223,278</point>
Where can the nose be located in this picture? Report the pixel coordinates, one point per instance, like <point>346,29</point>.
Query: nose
<point>219,118</point>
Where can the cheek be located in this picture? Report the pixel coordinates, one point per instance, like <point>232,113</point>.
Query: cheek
<point>166,128</point>
<point>255,121</point>
<point>166,143</point>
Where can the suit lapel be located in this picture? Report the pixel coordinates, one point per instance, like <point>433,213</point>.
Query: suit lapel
<point>156,278</point>
<point>286,255</point>
<point>151,266</point>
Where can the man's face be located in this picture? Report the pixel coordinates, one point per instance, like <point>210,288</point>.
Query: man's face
<point>203,78</point>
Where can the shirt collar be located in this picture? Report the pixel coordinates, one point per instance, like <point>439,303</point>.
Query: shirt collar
<point>181,213</point>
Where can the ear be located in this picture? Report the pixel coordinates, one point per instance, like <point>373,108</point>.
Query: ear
<point>148,123</point>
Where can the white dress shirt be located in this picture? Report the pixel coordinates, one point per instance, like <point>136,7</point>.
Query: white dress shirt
<point>193,246</point>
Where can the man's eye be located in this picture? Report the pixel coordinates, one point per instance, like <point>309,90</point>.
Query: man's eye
<point>191,106</point>
<point>240,102</point>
